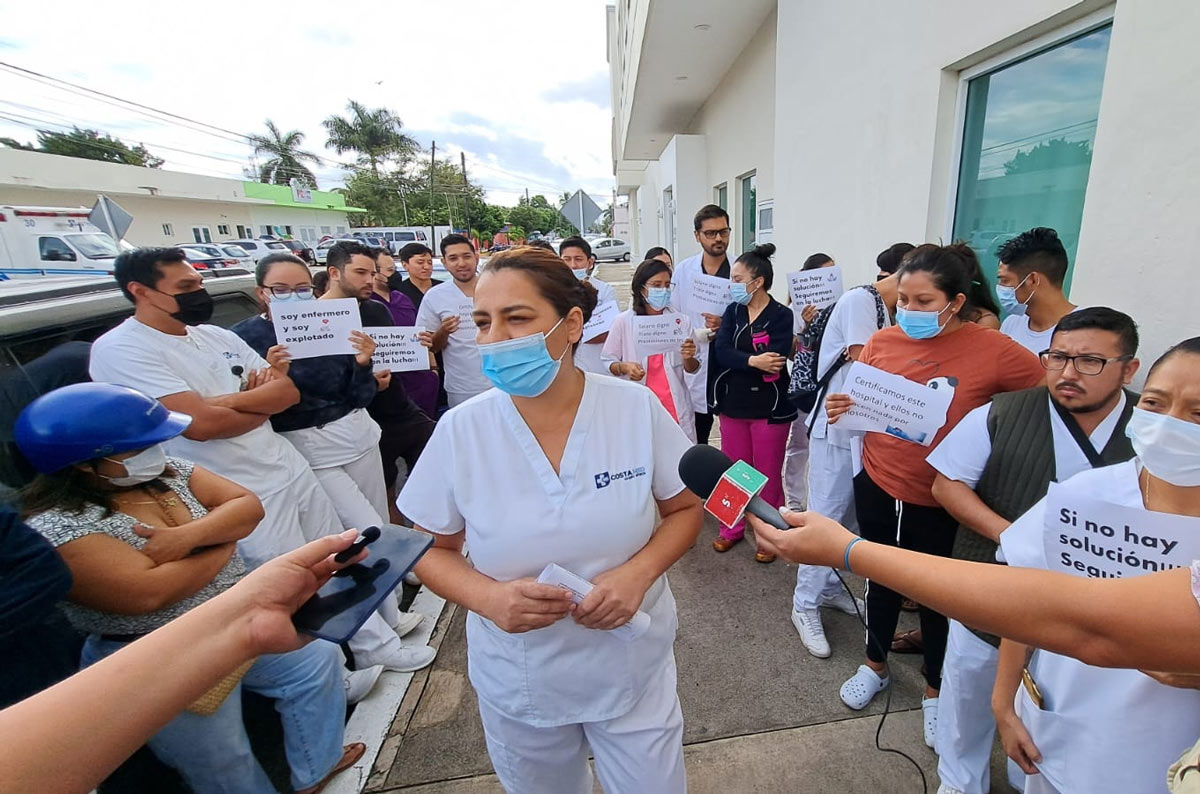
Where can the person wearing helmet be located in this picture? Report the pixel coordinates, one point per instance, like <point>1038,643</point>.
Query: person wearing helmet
<point>148,537</point>
<point>168,350</point>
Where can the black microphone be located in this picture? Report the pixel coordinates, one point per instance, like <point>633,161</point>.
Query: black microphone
<point>236,370</point>
<point>701,468</point>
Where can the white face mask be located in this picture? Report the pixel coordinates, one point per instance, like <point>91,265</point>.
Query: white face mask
<point>1169,448</point>
<point>140,468</point>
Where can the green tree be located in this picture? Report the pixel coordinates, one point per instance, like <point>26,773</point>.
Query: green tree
<point>286,157</point>
<point>1054,153</point>
<point>373,135</point>
<point>89,145</point>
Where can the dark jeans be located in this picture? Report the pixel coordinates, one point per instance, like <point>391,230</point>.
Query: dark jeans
<point>930,530</point>
<point>402,437</point>
<point>704,426</point>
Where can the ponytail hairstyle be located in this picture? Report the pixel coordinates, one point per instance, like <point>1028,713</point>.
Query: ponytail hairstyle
<point>550,275</point>
<point>647,270</point>
<point>758,261</point>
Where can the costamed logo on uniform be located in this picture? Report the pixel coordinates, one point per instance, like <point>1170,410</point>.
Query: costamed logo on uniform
<point>605,478</point>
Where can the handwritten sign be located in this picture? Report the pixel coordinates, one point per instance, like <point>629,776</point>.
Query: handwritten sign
<point>893,404</point>
<point>317,328</point>
<point>1091,538</point>
<point>664,333</point>
<point>398,349</point>
<point>710,295</point>
<point>821,287</point>
<point>602,320</point>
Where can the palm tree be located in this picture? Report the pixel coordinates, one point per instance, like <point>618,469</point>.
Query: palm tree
<point>287,160</point>
<point>374,135</point>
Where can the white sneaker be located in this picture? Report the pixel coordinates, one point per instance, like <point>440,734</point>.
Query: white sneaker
<point>401,659</point>
<point>862,687</point>
<point>812,633</point>
<point>407,622</point>
<point>944,789</point>
<point>843,602</point>
<point>359,683</point>
<point>412,579</point>
<point>929,710</point>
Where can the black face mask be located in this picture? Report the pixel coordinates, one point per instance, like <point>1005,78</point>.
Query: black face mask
<point>194,307</point>
<point>395,280</point>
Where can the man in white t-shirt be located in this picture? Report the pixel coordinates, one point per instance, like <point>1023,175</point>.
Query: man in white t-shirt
<point>855,317</point>
<point>445,314</point>
<point>1029,284</point>
<point>577,253</point>
<point>992,467</point>
<point>168,351</point>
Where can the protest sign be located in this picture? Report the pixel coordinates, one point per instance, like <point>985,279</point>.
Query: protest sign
<point>710,295</point>
<point>398,349</point>
<point>821,287</point>
<point>602,320</point>
<point>893,404</point>
<point>664,333</point>
<point>1091,538</point>
<point>316,328</point>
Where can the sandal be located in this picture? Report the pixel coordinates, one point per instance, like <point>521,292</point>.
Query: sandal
<point>724,544</point>
<point>350,755</point>
<point>764,556</point>
<point>908,642</point>
<point>908,605</point>
<point>861,687</point>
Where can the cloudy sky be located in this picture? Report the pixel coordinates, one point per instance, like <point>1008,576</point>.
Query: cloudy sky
<point>521,86</point>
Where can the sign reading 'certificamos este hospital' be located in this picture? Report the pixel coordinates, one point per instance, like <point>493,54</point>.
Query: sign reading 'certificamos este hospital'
<point>888,403</point>
<point>317,328</point>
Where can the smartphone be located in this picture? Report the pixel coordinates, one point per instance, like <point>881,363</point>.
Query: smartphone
<point>344,603</point>
<point>761,341</point>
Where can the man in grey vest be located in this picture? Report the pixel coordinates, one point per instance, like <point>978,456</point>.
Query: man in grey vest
<point>996,464</point>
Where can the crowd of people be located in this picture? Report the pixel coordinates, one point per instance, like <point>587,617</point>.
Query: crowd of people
<point>537,439</point>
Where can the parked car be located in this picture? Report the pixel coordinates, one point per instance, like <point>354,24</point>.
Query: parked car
<point>258,248</point>
<point>301,250</point>
<point>324,246</point>
<point>202,260</point>
<point>210,251</point>
<point>240,254</point>
<point>610,248</point>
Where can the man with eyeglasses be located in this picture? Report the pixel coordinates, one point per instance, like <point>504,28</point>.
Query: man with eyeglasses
<point>1029,284</point>
<point>992,467</point>
<point>712,231</point>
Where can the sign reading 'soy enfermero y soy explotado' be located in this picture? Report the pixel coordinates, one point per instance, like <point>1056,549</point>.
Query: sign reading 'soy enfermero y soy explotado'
<point>317,328</point>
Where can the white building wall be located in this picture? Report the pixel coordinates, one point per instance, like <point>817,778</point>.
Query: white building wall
<point>1140,235</point>
<point>738,124</point>
<point>683,167</point>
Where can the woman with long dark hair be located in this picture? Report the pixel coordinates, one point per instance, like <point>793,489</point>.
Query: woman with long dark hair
<point>751,349</point>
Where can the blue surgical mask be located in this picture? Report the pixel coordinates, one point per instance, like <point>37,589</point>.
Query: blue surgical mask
<point>920,325</point>
<point>521,367</point>
<point>1169,448</point>
<point>1008,298</point>
<point>580,274</point>
<point>658,297</point>
<point>739,294</point>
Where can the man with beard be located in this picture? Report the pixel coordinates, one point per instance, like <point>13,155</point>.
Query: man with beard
<point>712,231</point>
<point>445,314</point>
<point>996,464</point>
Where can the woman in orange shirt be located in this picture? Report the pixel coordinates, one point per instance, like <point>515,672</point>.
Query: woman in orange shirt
<point>932,344</point>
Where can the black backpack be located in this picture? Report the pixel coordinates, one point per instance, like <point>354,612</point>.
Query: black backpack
<point>806,388</point>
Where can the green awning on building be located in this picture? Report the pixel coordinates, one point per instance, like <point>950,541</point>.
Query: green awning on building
<point>283,196</point>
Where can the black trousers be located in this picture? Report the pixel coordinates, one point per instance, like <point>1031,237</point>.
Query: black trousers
<point>704,426</point>
<point>402,437</point>
<point>930,530</point>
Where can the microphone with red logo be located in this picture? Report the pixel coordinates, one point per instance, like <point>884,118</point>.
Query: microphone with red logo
<point>728,489</point>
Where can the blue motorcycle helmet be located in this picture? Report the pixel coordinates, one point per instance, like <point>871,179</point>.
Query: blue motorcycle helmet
<point>85,421</point>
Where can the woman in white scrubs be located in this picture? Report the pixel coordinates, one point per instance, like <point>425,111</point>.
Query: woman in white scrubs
<point>555,466</point>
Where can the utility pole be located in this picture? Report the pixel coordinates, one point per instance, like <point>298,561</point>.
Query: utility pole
<point>433,241</point>
<point>466,195</point>
<point>404,201</point>
<point>526,195</point>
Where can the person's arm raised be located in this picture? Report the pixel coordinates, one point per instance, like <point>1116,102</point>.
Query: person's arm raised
<point>1103,622</point>
<point>74,734</point>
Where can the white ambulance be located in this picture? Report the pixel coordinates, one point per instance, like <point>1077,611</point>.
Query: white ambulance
<point>53,241</point>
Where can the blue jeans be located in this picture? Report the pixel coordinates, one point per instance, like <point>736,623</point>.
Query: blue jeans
<point>213,753</point>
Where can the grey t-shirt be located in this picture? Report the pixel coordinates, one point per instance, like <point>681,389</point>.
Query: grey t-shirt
<point>61,527</point>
